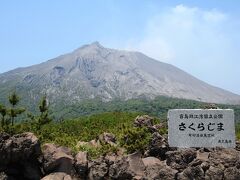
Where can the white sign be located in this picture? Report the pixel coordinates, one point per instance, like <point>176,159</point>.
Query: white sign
<point>201,128</point>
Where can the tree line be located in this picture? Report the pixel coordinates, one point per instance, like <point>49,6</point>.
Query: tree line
<point>10,113</point>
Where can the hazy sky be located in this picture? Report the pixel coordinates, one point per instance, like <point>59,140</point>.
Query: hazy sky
<point>202,37</point>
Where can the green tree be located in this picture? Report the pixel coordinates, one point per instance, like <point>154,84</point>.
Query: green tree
<point>44,116</point>
<point>3,112</point>
<point>13,111</point>
<point>14,99</point>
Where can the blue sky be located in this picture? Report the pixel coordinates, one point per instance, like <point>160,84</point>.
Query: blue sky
<point>201,36</point>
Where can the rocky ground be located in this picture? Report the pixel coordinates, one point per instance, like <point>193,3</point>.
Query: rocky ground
<point>23,157</point>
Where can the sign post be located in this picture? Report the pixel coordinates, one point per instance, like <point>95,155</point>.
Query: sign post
<point>201,128</point>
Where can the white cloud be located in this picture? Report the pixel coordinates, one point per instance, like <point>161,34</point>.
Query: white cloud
<point>214,16</point>
<point>196,40</point>
<point>170,34</point>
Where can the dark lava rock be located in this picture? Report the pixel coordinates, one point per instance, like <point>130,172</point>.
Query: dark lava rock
<point>144,120</point>
<point>57,159</point>
<point>19,156</point>
<point>98,169</point>
<point>81,164</point>
<point>181,158</point>
<point>158,146</point>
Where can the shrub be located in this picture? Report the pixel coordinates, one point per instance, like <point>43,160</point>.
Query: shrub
<point>135,139</point>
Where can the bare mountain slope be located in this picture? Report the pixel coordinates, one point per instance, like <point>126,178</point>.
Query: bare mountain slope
<point>93,71</point>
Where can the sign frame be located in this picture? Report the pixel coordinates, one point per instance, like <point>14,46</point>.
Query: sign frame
<point>201,128</point>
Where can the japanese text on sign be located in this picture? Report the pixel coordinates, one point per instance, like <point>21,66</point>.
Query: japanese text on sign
<point>201,128</point>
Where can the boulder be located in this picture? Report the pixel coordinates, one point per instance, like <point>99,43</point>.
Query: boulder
<point>195,172</point>
<point>157,127</point>
<point>81,164</point>
<point>205,166</point>
<point>152,167</point>
<point>119,170</point>
<point>203,156</point>
<point>136,164</point>
<point>107,138</point>
<point>112,158</point>
<point>32,171</point>
<point>145,120</point>
<point>152,161</point>
<point>226,157</point>
<point>57,159</point>
<point>215,172</point>
<point>167,173</point>
<point>195,162</point>
<point>237,145</point>
<point>65,150</point>
<point>5,149</point>
<point>156,169</point>
<point>158,146</point>
<point>19,148</point>
<point>25,146</point>
<point>98,169</point>
<point>128,167</point>
<point>19,155</point>
<point>181,158</point>
<point>232,173</point>
<point>57,176</point>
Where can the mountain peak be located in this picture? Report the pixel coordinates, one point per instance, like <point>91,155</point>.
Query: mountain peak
<point>96,44</point>
<point>90,47</point>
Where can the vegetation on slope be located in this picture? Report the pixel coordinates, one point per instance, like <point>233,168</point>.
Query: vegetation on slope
<point>68,132</point>
<point>157,107</point>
